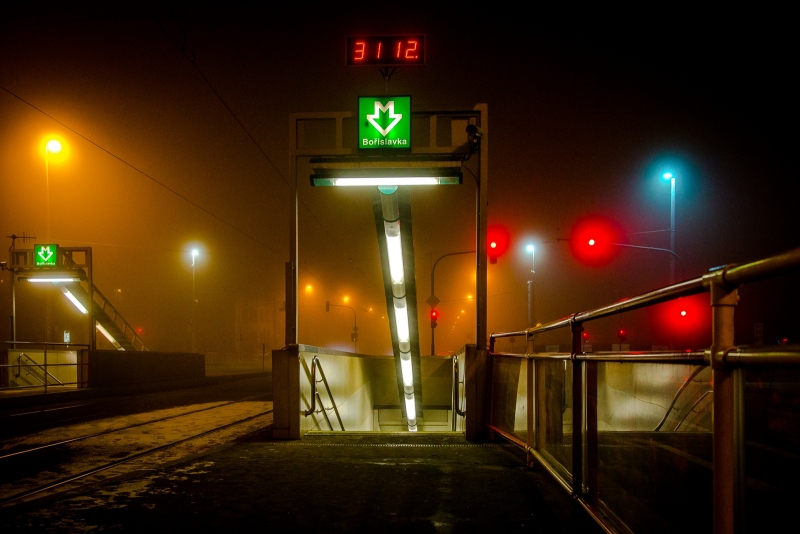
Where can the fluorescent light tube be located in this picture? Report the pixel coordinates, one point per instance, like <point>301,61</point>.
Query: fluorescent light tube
<point>398,180</point>
<point>75,301</point>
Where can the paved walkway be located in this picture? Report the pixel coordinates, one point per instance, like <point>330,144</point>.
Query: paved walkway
<point>327,482</point>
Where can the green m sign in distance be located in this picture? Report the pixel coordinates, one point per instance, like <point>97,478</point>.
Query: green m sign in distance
<point>384,122</point>
<point>45,255</point>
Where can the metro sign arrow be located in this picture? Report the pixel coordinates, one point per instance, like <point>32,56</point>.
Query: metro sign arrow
<point>48,256</point>
<point>388,108</point>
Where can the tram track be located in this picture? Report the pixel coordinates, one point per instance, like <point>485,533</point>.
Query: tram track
<point>67,480</point>
<point>93,457</point>
<point>120,429</point>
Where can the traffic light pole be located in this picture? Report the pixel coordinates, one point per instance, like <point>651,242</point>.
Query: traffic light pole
<point>433,301</point>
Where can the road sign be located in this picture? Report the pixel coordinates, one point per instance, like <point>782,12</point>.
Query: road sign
<point>45,255</point>
<point>384,122</point>
<point>432,301</point>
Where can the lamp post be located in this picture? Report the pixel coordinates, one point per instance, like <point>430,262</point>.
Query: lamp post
<point>195,253</point>
<point>354,335</point>
<point>433,300</point>
<point>671,177</point>
<point>531,314</point>
<point>53,146</point>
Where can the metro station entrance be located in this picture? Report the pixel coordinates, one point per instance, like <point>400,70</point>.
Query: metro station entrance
<point>336,151</point>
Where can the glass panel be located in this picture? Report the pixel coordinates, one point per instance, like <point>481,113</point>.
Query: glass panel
<point>654,435</point>
<point>772,437</point>
<point>558,408</point>
<point>509,406</point>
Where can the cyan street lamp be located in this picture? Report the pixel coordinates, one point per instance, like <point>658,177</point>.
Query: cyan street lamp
<point>532,250</point>
<point>671,177</point>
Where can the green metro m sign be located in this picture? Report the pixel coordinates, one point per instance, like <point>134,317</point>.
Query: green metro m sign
<point>384,122</point>
<point>45,255</point>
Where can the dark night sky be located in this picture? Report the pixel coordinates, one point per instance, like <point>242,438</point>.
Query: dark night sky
<point>583,111</point>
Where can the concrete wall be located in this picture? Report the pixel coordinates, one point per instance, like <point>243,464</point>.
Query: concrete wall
<point>365,392</point>
<point>348,378</point>
<point>120,368</point>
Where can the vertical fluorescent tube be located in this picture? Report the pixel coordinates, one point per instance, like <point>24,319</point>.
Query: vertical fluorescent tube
<point>411,413</point>
<point>408,374</point>
<point>401,320</point>
<point>395,250</point>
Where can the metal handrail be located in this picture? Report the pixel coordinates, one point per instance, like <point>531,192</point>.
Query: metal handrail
<point>730,276</point>
<point>34,364</point>
<point>726,361</point>
<point>675,398</point>
<point>126,327</point>
<point>456,382</point>
<point>691,408</point>
<point>315,394</point>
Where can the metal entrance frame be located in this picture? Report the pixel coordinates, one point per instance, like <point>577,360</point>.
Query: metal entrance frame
<point>72,258</point>
<point>443,144</point>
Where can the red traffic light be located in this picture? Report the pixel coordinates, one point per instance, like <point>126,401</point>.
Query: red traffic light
<point>622,334</point>
<point>594,240</point>
<point>497,241</point>
<point>434,316</point>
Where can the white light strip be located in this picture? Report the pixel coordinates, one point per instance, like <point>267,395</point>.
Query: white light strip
<point>75,301</point>
<point>51,280</point>
<point>408,373</point>
<point>401,321</point>
<point>395,251</point>
<point>108,336</point>
<point>398,180</point>
<point>411,411</point>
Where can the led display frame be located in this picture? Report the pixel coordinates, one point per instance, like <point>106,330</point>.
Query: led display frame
<point>386,50</point>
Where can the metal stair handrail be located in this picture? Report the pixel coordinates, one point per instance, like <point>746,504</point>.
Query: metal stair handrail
<point>315,363</point>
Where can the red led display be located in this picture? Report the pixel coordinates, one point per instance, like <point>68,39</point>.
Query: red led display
<point>386,50</point>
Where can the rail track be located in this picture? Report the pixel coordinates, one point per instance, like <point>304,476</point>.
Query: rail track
<point>38,471</point>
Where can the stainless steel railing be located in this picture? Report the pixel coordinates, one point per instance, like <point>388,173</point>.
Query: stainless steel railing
<point>315,364</point>
<point>726,361</point>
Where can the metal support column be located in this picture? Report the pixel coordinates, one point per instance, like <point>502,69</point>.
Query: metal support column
<point>728,426</point>
<point>577,412</point>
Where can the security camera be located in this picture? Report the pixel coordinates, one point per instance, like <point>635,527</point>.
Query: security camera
<point>474,132</point>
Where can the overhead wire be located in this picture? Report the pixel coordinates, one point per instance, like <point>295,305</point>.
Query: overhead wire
<point>140,171</point>
<point>188,53</point>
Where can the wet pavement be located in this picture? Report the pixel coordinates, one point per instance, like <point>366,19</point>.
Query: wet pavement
<point>328,482</point>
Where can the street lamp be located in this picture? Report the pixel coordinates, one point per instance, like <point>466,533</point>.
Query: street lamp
<point>195,253</point>
<point>671,177</point>
<point>532,250</point>
<point>53,146</point>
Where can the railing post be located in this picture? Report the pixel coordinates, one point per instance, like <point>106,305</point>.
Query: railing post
<point>286,393</point>
<point>45,368</point>
<point>476,393</point>
<point>530,396</point>
<point>577,411</point>
<point>591,430</point>
<point>728,417</point>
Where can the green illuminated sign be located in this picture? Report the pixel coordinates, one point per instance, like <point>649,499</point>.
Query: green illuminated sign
<point>45,255</point>
<point>384,122</point>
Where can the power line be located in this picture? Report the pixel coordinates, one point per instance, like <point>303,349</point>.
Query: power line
<point>173,191</point>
